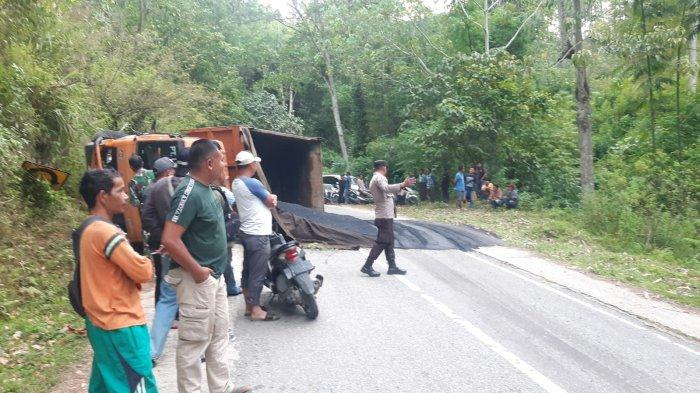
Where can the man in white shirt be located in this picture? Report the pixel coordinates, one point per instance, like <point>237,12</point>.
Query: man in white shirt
<point>254,203</point>
<point>384,212</point>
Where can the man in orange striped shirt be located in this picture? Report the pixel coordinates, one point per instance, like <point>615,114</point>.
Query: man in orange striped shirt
<point>111,273</point>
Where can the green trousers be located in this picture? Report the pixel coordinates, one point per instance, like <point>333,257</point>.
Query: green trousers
<point>121,361</point>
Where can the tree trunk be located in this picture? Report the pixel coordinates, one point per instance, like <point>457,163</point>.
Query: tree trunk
<point>486,26</point>
<point>563,31</point>
<point>291,100</point>
<point>336,109</point>
<point>678,94</point>
<point>693,55</point>
<point>583,108</point>
<point>281,96</point>
<point>469,39</point>
<point>142,14</point>
<point>650,82</point>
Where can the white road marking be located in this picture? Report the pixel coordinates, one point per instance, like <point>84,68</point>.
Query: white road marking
<point>560,293</point>
<point>660,337</point>
<point>443,308</point>
<point>529,371</point>
<point>687,349</point>
<point>581,302</point>
<point>408,283</point>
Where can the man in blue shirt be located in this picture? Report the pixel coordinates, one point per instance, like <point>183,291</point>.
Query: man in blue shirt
<point>460,187</point>
<point>254,203</point>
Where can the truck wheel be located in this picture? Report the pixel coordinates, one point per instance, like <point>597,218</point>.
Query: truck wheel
<point>309,305</point>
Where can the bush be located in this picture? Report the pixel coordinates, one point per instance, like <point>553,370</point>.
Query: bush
<point>631,223</point>
<point>39,197</point>
<point>332,161</point>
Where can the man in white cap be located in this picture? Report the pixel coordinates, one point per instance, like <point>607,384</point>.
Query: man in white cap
<point>254,203</point>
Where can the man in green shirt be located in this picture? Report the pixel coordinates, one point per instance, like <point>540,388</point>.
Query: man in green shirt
<point>195,237</point>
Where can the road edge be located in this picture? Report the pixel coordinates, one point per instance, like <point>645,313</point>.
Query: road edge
<point>662,315</point>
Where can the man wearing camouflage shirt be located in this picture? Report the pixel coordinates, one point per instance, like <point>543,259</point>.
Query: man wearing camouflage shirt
<point>142,178</point>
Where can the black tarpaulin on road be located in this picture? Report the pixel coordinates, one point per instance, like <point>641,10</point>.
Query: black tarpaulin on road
<point>314,226</point>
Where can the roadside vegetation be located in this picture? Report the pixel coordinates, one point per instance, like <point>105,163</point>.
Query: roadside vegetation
<point>40,333</point>
<point>562,236</point>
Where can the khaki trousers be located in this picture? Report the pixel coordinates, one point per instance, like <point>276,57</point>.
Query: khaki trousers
<point>202,331</point>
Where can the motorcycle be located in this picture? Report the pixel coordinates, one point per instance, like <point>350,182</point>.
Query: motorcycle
<point>407,196</point>
<point>359,197</point>
<point>330,194</point>
<point>289,277</point>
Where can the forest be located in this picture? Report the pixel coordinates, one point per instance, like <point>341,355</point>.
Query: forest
<point>590,107</point>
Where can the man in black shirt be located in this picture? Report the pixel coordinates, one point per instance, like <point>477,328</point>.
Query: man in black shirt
<point>445,185</point>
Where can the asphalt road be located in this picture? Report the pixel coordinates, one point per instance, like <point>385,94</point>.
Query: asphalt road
<point>458,322</point>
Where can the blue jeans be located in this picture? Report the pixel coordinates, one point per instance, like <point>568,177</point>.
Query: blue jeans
<point>166,308</point>
<point>231,287</point>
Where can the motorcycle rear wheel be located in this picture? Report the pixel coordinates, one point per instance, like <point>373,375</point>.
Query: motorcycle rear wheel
<point>309,305</point>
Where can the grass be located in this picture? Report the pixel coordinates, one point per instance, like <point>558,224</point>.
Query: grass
<point>36,338</point>
<point>556,234</point>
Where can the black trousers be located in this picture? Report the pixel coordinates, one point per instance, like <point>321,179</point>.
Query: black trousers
<point>423,191</point>
<point>384,242</point>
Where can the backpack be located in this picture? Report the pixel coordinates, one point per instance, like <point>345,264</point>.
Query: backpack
<point>74,295</point>
<point>231,220</point>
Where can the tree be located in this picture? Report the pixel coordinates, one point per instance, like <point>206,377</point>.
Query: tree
<point>312,27</point>
<point>583,93</point>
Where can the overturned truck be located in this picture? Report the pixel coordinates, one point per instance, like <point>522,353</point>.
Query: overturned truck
<point>291,164</point>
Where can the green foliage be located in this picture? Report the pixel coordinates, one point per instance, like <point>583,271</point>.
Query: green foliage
<point>37,342</point>
<point>267,113</point>
<point>38,196</point>
<point>491,111</point>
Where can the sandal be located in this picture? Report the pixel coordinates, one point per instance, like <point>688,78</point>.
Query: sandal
<point>242,389</point>
<point>248,314</point>
<point>268,317</point>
